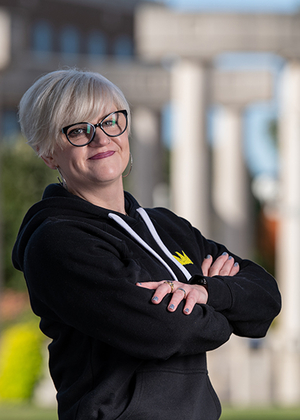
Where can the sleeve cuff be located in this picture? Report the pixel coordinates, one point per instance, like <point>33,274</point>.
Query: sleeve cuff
<point>219,294</point>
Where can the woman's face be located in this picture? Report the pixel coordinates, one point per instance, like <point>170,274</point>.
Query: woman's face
<point>100,163</point>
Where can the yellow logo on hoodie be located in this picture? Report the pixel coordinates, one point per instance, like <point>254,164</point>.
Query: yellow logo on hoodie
<point>183,258</point>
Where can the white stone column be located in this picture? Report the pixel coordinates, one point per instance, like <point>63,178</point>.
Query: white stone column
<point>288,244</point>
<point>147,155</point>
<point>5,39</point>
<point>230,190</point>
<point>189,175</point>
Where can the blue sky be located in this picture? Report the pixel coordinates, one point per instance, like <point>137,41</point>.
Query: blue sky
<point>262,6</point>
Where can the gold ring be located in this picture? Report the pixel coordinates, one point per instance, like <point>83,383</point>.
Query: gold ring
<point>171,284</point>
<point>180,288</point>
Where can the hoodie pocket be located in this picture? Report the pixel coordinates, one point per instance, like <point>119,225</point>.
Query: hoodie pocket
<point>164,395</point>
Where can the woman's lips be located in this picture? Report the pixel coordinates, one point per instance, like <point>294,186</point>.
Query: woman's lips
<point>102,155</point>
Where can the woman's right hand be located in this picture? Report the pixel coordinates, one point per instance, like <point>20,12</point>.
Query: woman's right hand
<point>224,265</point>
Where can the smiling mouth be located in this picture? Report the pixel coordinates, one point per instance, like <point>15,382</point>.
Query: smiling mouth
<point>102,155</point>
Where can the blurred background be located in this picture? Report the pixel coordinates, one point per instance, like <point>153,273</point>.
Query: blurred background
<point>214,88</point>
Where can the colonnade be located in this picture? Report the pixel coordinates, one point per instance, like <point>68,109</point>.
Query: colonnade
<point>192,41</point>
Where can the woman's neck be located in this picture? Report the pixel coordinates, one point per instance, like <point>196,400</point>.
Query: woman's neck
<point>109,196</point>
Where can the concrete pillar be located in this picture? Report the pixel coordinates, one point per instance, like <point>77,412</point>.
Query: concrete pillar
<point>230,188</point>
<point>147,154</point>
<point>288,244</point>
<point>5,39</point>
<point>189,175</point>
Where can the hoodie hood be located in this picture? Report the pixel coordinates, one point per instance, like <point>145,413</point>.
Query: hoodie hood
<point>57,201</point>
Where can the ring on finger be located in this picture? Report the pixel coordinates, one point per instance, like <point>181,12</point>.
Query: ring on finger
<point>184,292</point>
<point>171,284</point>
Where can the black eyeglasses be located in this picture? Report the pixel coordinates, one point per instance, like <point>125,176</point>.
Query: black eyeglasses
<point>83,133</point>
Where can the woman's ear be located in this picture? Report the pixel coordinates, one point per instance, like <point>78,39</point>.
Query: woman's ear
<point>49,160</point>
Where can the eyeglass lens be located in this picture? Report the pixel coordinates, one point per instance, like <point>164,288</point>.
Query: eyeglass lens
<point>113,125</point>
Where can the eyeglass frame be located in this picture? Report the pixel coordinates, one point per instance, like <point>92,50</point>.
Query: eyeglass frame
<point>122,111</point>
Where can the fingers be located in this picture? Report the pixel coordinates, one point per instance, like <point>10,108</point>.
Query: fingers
<point>192,294</point>
<point>235,269</point>
<point>217,267</point>
<point>150,284</point>
<point>177,297</point>
<point>162,288</point>
<point>207,262</point>
<point>179,292</point>
<point>224,265</point>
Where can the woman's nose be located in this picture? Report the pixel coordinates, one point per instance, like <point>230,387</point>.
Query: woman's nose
<point>100,138</point>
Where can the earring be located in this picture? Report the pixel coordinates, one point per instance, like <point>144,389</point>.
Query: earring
<point>131,163</point>
<point>61,181</point>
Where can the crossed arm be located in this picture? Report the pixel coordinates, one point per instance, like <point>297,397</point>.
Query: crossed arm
<point>224,265</point>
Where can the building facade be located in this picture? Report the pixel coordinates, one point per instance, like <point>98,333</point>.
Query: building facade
<point>38,36</point>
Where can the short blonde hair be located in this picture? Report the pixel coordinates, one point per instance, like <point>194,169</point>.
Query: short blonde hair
<point>61,98</point>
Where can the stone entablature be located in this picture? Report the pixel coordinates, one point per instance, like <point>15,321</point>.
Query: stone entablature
<point>162,32</point>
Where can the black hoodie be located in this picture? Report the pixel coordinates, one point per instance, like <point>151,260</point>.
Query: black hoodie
<point>114,354</point>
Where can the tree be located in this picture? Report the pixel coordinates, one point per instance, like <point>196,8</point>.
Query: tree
<point>23,177</point>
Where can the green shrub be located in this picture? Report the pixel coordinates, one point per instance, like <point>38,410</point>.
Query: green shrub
<point>20,361</point>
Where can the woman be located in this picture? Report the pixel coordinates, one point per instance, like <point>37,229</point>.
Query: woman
<point>131,298</point>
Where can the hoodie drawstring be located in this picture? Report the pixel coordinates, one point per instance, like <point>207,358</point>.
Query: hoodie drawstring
<point>157,239</point>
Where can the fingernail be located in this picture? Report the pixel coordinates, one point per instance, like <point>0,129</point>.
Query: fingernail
<point>225,253</point>
<point>139,284</point>
<point>186,311</point>
<point>208,256</point>
<point>230,258</point>
<point>155,299</point>
<point>236,264</point>
<point>171,307</point>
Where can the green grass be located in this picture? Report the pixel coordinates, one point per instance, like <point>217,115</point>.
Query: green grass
<point>275,413</point>
<point>28,412</point>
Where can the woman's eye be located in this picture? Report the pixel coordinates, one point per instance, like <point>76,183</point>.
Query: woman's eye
<point>109,123</point>
<point>77,132</point>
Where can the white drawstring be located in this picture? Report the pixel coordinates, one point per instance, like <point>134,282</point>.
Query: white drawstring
<point>125,226</point>
<point>160,243</point>
<point>157,239</point>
